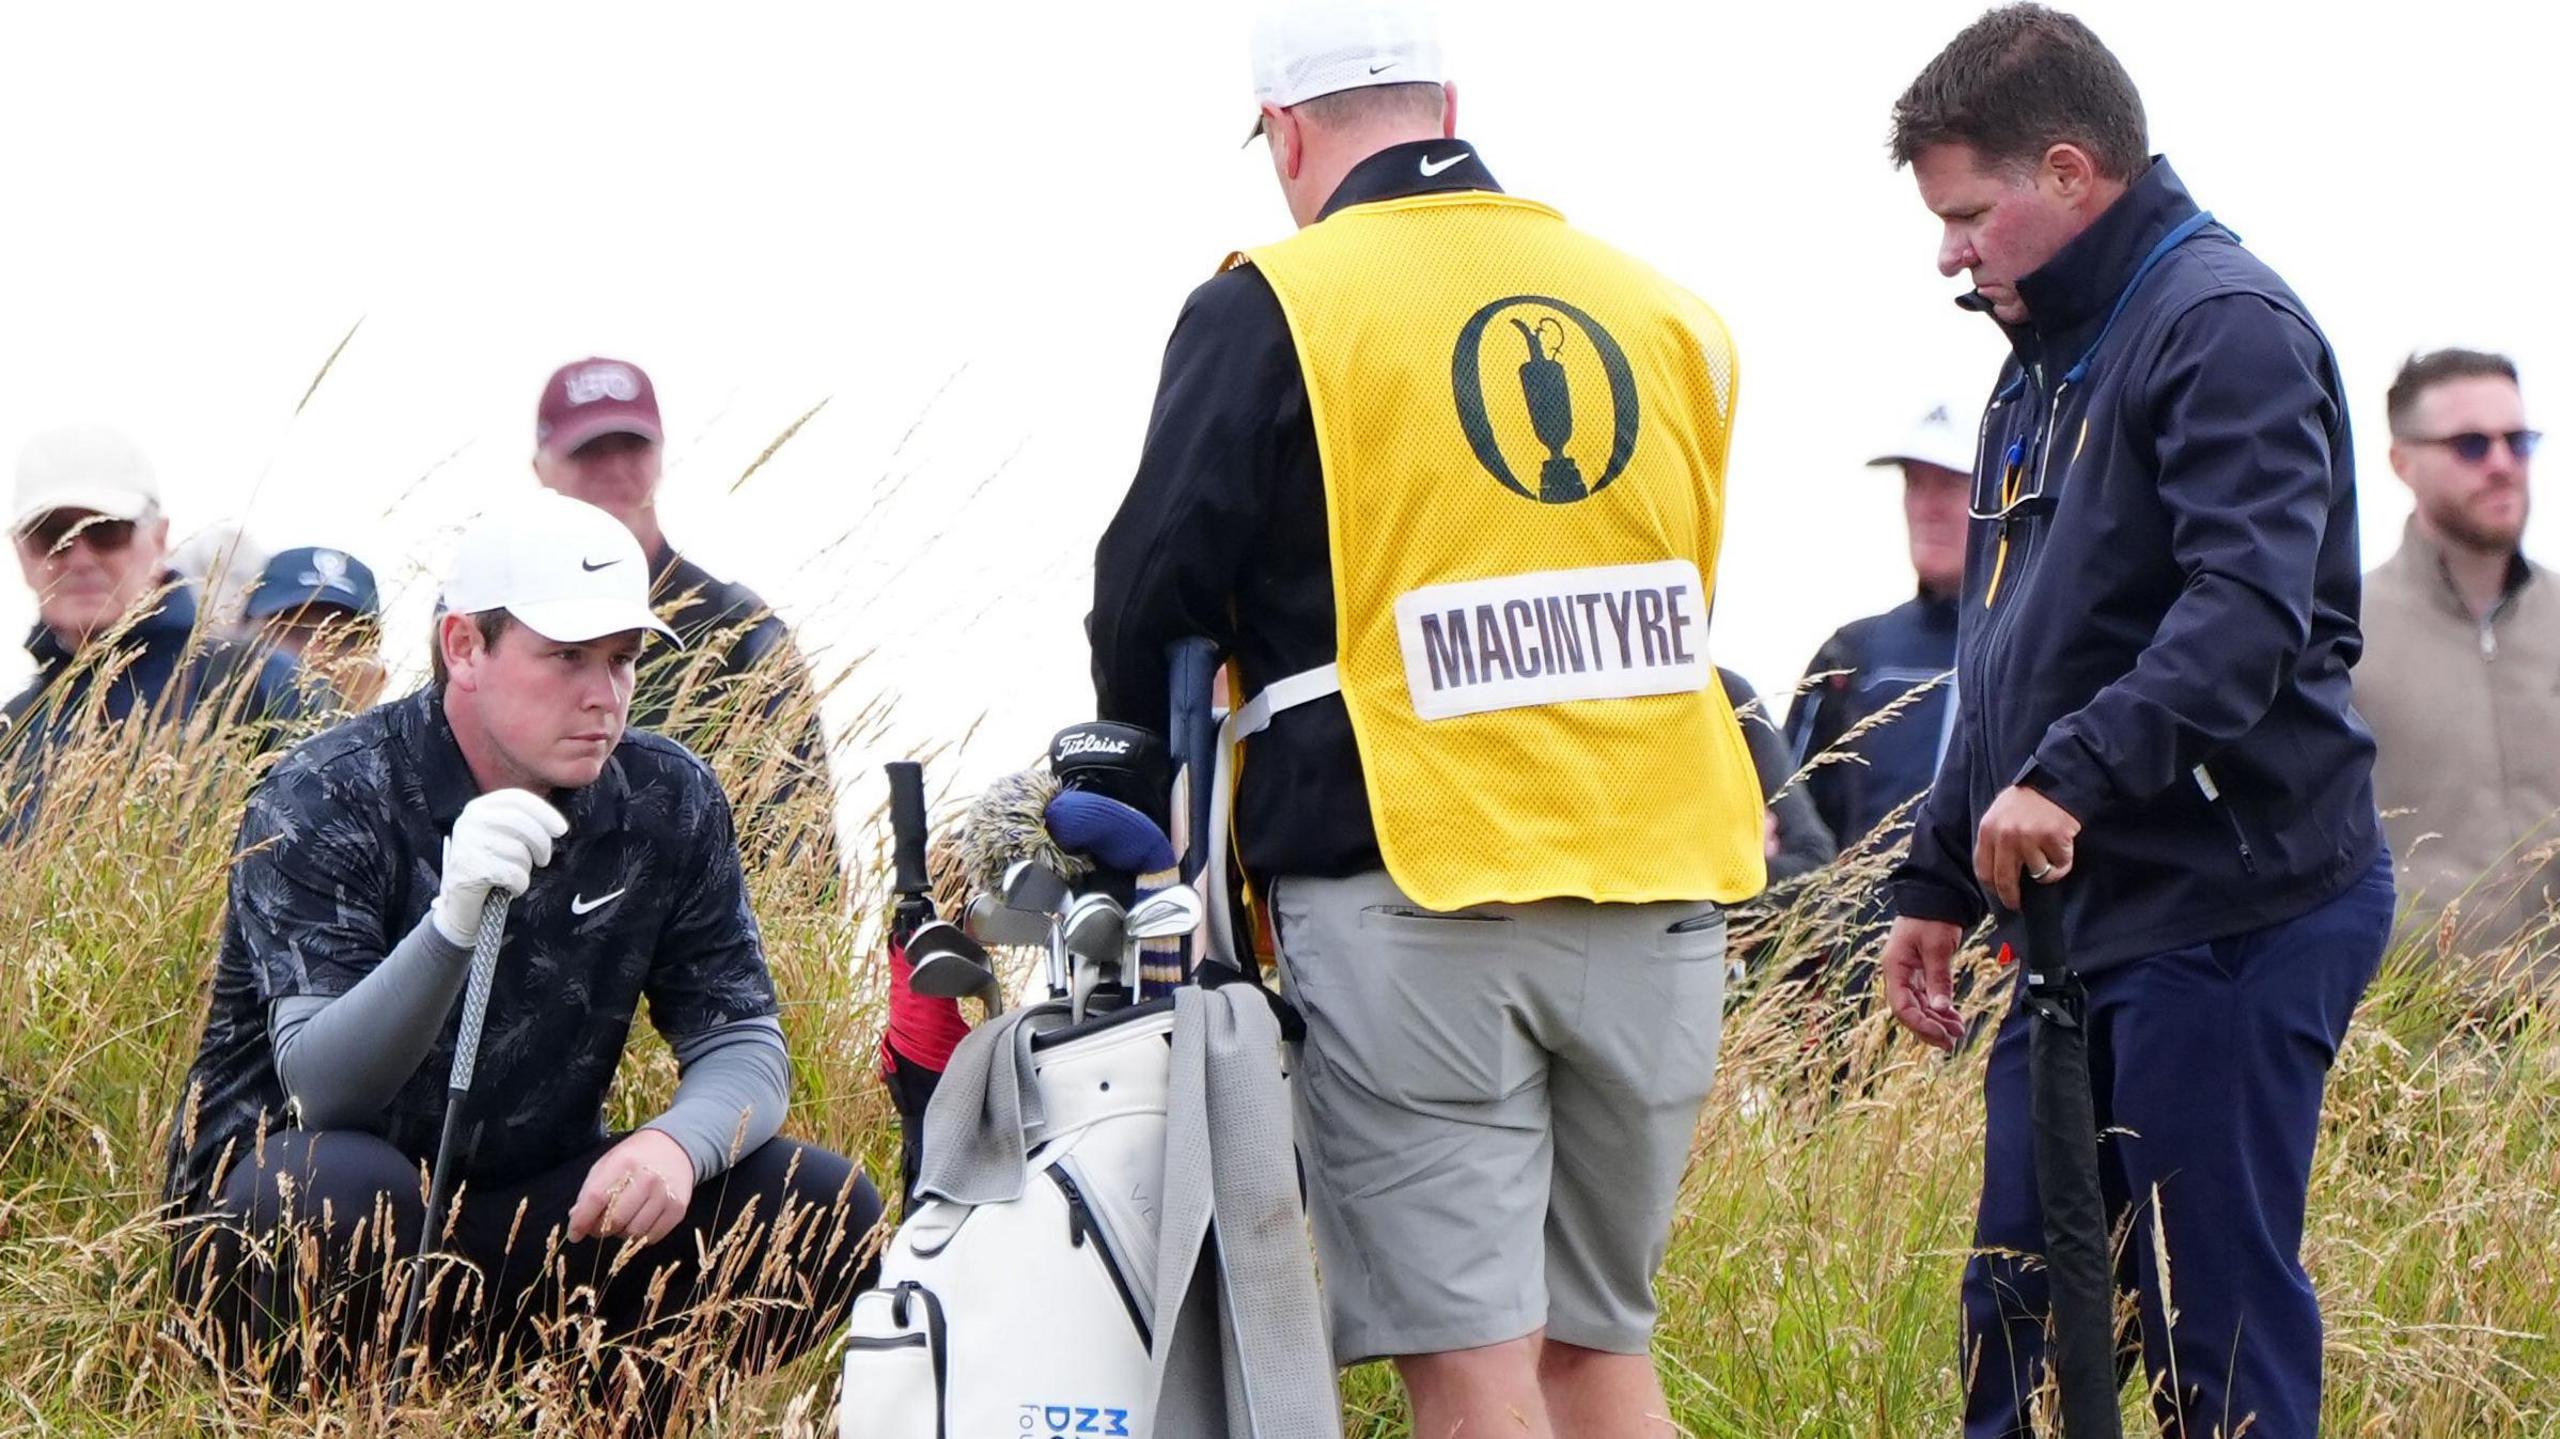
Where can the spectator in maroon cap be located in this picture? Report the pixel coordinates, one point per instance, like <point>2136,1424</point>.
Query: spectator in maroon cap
<point>597,438</point>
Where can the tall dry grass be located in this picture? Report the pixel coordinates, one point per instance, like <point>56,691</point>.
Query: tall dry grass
<point>1810,1288</point>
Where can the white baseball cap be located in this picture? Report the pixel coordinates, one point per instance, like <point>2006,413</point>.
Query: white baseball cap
<point>1944,436</point>
<point>1306,48</point>
<point>566,570</point>
<point>83,467</point>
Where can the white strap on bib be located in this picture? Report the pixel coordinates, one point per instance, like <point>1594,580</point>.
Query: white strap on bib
<point>1241,724</point>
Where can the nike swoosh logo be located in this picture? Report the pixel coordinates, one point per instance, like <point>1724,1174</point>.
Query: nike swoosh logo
<point>580,904</point>
<point>1381,69</point>
<point>591,566</point>
<point>1431,167</point>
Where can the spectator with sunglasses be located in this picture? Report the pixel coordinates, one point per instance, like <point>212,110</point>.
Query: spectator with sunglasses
<point>2462,640</point>
<point>116,633</point>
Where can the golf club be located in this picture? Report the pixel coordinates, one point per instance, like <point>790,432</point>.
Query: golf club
<point>1097,929</point>
<point>1128,848</point>
<point>945,963</point>
<point>449,1146</point>
<point>1167,914</point>
<point>1096,938</point>
<point>989,920</point>
<point>1034,888</point>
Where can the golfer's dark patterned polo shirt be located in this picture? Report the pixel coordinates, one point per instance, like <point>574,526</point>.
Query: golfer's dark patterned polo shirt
<point>338,861</point>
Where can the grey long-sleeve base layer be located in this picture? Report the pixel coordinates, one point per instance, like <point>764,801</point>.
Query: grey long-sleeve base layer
<point>341,1059</point>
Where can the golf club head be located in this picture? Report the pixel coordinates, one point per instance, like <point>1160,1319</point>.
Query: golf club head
<point>989,920</point>
<point>1173,913</point>
<point>944,963</point>
<point>1096,929</point>
<point>1034,888</point>
<point>1097,991</point>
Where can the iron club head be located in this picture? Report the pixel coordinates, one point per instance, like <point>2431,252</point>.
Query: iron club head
<point>944,963</point>
<point>1097,928</point>
<point>1034,888</point>
<point>1167,914</point>
<point>989,920</point>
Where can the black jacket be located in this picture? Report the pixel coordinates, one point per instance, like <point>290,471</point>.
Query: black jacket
<point>1865,666</point>
<point>1804,841</point>
<point>1223,536</point>
<point>732,638</point>
<point>2165,653</point>
<point>161,669</point>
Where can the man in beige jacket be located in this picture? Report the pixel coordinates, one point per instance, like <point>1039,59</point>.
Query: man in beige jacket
<point>2461,672</point>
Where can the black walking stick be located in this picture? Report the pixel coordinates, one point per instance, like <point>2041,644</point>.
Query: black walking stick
<point>451,1146</point>
<point>2078,1253</point>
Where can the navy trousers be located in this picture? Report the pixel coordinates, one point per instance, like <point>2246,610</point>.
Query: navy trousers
<point>2208,1065</point>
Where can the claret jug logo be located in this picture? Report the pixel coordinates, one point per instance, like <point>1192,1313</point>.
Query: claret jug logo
<point>1541,388</point>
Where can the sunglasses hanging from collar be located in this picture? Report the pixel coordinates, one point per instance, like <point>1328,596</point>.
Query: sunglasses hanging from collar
<point>2026,466</point>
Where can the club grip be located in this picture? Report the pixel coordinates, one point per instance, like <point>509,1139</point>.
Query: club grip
<point>1191,672</point>
<point>475,997</point>
<point>906,824</point>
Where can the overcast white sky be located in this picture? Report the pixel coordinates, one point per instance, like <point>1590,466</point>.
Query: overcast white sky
<point>967,228</point>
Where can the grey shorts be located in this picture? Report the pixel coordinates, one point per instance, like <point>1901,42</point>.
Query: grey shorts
<point>1496,1109</point>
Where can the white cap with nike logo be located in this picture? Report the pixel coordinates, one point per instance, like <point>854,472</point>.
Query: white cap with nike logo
<point>566,570</point>
<point>1306,48</point>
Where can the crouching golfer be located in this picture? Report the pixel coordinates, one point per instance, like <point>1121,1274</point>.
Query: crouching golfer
<point>1447,443</point>
<point>319,1090</point>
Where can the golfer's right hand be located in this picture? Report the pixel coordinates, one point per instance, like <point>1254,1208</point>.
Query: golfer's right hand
<point>1919,960</point>
<point>499,840</point>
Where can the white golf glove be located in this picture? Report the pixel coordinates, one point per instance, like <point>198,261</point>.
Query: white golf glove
<point>498,841</point>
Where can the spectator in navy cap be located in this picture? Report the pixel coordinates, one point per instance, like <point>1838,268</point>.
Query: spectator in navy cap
<point>321,606</point>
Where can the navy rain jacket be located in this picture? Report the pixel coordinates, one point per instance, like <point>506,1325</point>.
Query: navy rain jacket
<point>2158,636</point>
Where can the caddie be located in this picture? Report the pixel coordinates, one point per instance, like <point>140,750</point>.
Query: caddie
<point>1444,477</point>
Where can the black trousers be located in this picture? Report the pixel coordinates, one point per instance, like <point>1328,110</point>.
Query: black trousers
<point>294,1275</point>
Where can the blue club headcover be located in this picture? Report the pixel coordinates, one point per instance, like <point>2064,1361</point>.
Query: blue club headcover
<point>1113,834</point>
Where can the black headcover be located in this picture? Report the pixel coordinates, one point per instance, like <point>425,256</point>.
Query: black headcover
<point>1125,762</point>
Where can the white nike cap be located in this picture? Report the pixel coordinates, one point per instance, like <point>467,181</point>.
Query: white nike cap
<point>83,467</point>
<point>1944,436</point>
<point>1306,48</point>
<point>566,570</point>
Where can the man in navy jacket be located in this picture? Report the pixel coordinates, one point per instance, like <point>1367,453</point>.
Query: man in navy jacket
<point>1897,660</point>
<point>116,637</point>
<point>2158,620</point>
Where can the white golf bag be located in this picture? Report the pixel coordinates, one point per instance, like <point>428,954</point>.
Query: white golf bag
<point>1032,1318</point>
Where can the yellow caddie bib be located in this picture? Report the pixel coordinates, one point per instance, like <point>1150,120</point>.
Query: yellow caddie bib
<point>1523,436</point>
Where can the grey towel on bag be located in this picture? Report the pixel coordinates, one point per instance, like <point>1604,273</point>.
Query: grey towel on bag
<point>974,1130</point>
<point>1241,1350</point>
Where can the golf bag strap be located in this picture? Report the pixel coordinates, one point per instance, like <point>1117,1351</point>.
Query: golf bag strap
<point>1305,687</point>
<point>1242,723</point>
